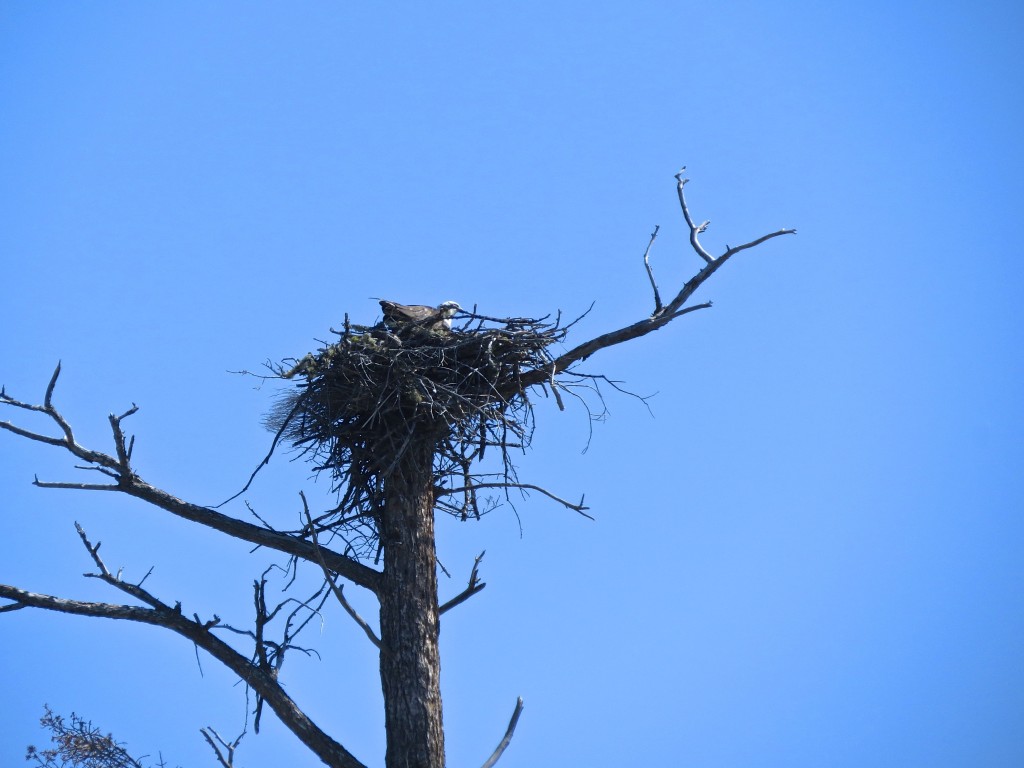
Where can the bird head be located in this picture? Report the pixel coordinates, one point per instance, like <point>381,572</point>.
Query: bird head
<point>449,308</point>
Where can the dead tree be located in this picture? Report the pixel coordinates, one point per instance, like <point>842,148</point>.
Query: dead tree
<point>407,420</point>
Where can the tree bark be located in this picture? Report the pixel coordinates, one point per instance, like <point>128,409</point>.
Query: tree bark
<point>410,662</point>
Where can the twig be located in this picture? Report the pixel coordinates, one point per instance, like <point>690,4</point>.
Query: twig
<point>123,452</point>
<point>508,735</point>
<point>526,487</point>
<point>262,681</point>
<point>554,389</point>
<point>695,229</point>
<point>694,308</point>
<point>730,251</point>
<point>650,272</point>
<point>330,577</point>
<point>129,483</point>
<point>474,586</point>
<point>669,311</point>
<point>135,590</point>
<point>76,486</point>
<point>228,760</point>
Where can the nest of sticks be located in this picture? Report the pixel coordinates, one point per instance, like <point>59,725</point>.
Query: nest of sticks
<point>361,403</point>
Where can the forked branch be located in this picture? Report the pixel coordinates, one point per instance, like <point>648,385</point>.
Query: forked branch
<point>261,679</point>
<point>227,757</point>
<point>474,586</point>
<point>127,481</point>
<point>663,314</point>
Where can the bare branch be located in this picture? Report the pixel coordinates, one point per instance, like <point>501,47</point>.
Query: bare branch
<point>262,681</point>
<point>660,318</point>
<point>122,450</point>
<point>226,760</point>
<point>506,740</point>
<point>76,486</point>
<point>694,308</point>
<point>367,629</point>
<point>523,486</point>
<point>474,586</point>
<point>695,229</point>
<point>135,590</point>
<point>650,272</point>
<point>351,569</point>
<point>553,382</point>
<point>730,251</point>
<point>26,433</point>
<point>47,398</point>
<point>330,577</point>
<point>129,483</point>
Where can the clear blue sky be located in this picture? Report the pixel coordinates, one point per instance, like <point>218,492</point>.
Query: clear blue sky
<point>809,556</point>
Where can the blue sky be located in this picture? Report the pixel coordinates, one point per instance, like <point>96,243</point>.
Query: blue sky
<point>809,556</point>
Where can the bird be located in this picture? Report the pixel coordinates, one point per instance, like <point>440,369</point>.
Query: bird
<point>434,318</point>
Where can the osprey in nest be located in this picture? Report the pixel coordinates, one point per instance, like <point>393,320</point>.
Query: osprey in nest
<point>433,318</point>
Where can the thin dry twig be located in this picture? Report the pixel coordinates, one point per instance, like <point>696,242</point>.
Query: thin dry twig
<point>526,487</point>
<point>507,739</point>
<point>474,586</point>
<point>695,229</point>
<point>670,311</point>
<point>330,579</point>
<point>128,481</point>
<point>650,271</point>
<point>227,757</point>
<point>262,679</point>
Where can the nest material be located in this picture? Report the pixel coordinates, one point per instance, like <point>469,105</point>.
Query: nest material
<point>366,399</point>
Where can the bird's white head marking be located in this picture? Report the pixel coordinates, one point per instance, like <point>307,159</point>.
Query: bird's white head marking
<point>449,308</point>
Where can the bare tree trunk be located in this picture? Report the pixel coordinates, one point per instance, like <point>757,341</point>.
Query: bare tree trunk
<point>410,663</point>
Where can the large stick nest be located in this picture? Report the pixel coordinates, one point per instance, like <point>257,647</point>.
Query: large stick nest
<point>361,402</point>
